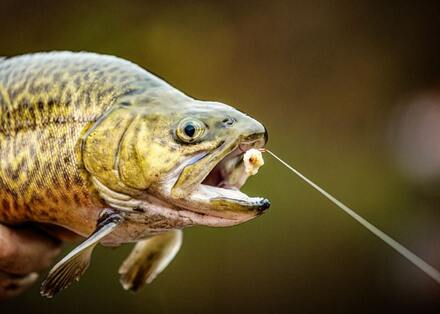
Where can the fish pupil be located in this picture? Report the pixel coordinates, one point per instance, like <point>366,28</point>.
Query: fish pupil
<point>190,129</point>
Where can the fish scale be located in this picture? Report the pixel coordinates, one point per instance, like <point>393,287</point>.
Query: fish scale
<point>99,146</point>
<point>47,101</point>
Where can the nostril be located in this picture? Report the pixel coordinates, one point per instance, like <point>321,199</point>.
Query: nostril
<point>228,121</point>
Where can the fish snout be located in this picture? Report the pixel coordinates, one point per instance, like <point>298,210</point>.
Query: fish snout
<point>255,134</point>
<point>264,206</point>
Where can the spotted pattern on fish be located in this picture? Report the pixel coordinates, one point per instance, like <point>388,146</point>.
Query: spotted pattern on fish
<point>48,101</point>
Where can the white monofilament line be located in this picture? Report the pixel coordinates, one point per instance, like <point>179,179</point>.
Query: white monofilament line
<point>417,261</point>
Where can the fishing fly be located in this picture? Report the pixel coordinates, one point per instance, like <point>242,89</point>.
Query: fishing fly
<point>254,160</point>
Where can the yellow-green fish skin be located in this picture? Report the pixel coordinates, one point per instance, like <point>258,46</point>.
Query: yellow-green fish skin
<point>80,132</point>
<point>47,102</point>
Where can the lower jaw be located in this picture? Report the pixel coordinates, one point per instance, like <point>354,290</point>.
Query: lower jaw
<point>213,221</point>
<point>185,217</point>
<point>218,212</point>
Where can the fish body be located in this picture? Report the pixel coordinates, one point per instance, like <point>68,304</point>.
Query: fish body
<point>99,146</point>
<point>47,103</point>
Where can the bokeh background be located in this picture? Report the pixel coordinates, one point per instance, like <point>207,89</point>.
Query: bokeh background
<point>350,94</point>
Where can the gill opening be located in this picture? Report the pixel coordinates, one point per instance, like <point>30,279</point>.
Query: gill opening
<point>119,148</point>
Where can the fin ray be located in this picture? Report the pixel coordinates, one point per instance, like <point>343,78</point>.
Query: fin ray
<point>74,264</point>
<point>148,259</point>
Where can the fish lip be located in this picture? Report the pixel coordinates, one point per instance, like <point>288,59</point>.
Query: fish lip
<point>226,202</point>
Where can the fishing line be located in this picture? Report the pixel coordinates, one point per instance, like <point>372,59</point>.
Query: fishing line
<point>417,261</point>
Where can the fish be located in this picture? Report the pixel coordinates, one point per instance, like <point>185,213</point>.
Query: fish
<point>97,147</point>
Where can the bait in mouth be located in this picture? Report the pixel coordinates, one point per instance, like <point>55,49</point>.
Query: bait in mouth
<point>98,146</point>
<point>253,160</point>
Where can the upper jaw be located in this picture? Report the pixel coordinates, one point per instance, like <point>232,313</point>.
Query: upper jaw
<point>215,180</point>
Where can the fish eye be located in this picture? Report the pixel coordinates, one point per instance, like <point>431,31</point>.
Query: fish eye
<point>190,130</point>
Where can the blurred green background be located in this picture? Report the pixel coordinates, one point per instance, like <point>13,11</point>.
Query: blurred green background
<point>331,81</point>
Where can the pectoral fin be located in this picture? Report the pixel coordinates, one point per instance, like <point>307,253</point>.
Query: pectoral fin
<point>74,264</point>
<point>149,258</point>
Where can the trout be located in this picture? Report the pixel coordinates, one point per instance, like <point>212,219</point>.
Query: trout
<point>96,146</point>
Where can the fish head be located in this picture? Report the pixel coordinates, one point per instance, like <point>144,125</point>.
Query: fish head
<point>188,155</point>
<point>200,164</point>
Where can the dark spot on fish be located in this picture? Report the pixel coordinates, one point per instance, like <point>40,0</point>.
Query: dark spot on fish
<point>32,113</point>
<point>125,104</point>
<point>67,180</point>
<point>40,105</point>
<point>77,179</point>
<point>5,204</point>
<point>49,194</point>
<point>68,98</point>
<point>26,208</point>
<point>65,198</point>
<point>138,209</point>
<point>36,197</point>
<point>14,175</point>
<point>24,102</point>
<point>40,183</point>
<point>17,91</point>
<point>44,146</point>
<point>154,118</point>
<point>58,164</point>
<point>133,91</point>
<point>63,139</point>
<point>109,90</point>
<point>56,181</point>
<point>14,202</point>
<point>151,256</point>
<point>77,199</point>
<point>50,102</point>
<point>146,100</point>
<point>63,85</point>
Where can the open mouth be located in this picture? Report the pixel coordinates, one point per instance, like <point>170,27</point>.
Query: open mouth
<point>216,192</point>
<point>228,173</point>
